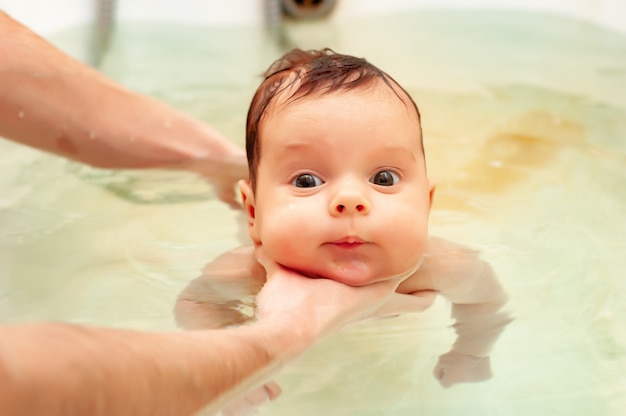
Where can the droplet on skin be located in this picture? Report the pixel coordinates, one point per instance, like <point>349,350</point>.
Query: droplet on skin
<point>21,114</point>
<point>168,124</point>
<point>92,135</point>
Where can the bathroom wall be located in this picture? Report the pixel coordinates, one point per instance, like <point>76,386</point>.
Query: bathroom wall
<point>45,16</point>
<point>611,13</point>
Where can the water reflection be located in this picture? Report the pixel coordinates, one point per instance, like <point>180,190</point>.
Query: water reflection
<point>224,295</point>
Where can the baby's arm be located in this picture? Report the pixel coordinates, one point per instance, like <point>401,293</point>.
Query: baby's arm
<point>477,297</point>
<point>223,294</point>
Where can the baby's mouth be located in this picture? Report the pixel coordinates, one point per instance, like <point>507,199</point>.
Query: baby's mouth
<point>348,242</point>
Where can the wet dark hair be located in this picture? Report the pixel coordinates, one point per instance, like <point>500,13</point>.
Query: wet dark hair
<point>314,72</point>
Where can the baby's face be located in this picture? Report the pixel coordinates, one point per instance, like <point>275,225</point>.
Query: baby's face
<point>342,191</point>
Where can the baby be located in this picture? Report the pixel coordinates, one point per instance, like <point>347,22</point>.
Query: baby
<point>338,190</point>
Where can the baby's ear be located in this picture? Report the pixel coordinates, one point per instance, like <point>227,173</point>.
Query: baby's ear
<point>247,196</point>
<point>431,193</point>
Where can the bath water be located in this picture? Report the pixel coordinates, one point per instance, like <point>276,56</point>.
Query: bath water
<point>524,118</point>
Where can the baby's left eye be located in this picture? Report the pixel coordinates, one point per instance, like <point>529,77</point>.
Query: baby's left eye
<point>385,178</point>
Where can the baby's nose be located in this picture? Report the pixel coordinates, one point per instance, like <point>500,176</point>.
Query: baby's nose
<point>348,203</point>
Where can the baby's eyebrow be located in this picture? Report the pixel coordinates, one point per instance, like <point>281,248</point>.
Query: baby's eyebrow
<point>296,146</point>
<point>398,151</point>
<point>292,152</point>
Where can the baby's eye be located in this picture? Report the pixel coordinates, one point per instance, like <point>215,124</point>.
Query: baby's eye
<point>306,181</point>
<point>385,178</point>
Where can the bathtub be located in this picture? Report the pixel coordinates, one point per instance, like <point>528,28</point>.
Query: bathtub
<point>524,110</point>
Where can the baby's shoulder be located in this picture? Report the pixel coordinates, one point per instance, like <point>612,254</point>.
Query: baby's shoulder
<point>240,261</point>
<point>442,253</point>
<point>444,261</point>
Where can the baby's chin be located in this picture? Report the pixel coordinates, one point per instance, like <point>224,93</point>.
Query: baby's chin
<point>353,274</point>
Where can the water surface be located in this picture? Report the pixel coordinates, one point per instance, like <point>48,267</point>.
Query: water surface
<point>524,118</point>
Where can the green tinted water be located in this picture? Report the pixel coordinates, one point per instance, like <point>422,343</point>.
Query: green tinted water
<point>524,118</point>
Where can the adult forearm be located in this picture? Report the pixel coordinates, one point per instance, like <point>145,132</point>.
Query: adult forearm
<point>53,102</point>
<point>59,369</point>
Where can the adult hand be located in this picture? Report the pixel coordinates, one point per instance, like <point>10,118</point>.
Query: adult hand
<point>225,171</point>
<point>314,308</point>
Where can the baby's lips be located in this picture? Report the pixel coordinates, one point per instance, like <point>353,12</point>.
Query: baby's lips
<point>349,240</point>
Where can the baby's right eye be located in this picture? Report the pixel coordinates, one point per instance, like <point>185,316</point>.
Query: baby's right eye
<point>306,181</point>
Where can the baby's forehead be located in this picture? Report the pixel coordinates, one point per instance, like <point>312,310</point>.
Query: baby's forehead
<point>308,113</point>
<point>374,91</point>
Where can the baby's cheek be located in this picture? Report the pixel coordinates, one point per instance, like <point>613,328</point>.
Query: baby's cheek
<point>409,246</point>
<point>284,243</point>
